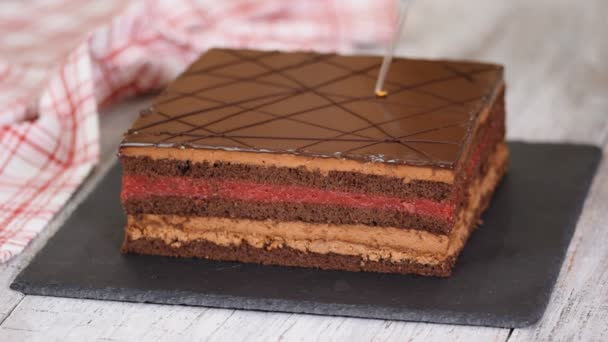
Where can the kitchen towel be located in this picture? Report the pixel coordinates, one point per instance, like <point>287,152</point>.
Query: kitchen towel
<point>61,60</point>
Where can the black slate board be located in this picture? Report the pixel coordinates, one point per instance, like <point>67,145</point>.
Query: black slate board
<point>503,278</point>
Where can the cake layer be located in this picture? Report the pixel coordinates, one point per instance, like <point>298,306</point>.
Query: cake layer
<point>235,238</point>
<point>142,187</point>
<point>371,243</point>
<point>238,167</point>
<point>285,211</point>
<point>284,257</point>
<point>338,168</point>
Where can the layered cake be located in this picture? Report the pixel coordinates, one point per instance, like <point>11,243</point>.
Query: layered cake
<point>290,159</point>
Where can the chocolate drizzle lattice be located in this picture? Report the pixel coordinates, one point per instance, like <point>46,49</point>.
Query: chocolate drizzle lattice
<point>320,105</point>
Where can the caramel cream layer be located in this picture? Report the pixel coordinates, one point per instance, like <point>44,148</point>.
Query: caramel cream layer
<point>370,243</point>
<point>323,165</point>
<point>374,243</point>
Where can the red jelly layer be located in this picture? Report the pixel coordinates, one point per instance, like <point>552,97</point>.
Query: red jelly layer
<point>140,186</point>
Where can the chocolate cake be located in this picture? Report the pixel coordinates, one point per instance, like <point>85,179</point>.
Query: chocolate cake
<point>290,159</point>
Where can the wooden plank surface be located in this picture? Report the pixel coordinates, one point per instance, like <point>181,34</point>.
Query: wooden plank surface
<point>46,318</point>
<point>578,309</point>
<point>557,73</point>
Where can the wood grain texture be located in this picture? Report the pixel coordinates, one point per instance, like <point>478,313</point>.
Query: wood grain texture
<point>578,309</point>
<point>557,72</point>
<point>46,318</point>
<point>553,50</point>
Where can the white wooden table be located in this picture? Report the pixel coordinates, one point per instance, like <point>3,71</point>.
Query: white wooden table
<point>556,57</point>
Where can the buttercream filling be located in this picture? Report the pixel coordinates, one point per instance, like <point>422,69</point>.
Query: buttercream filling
<point>370,243</point>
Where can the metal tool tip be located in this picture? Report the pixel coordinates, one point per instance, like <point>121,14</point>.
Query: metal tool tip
<point>381,93</point>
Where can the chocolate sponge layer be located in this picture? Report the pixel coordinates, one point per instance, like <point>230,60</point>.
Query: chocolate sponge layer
<point>283,256</point>
<point>284,211</point>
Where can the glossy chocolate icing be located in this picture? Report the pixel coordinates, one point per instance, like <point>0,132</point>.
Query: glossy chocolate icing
<point>321,105</point>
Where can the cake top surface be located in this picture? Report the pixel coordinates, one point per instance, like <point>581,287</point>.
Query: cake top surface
<point>320,105</point>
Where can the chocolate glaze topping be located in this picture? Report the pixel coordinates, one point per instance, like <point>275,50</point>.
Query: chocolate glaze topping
<point>321,105</point>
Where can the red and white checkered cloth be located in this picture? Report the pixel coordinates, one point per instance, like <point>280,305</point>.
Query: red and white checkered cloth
<point>60,60</point>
